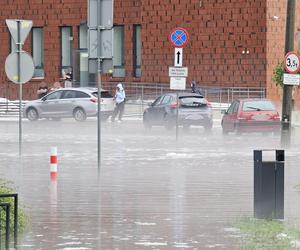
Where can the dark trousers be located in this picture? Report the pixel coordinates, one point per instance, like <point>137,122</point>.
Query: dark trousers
<point>119,109</point>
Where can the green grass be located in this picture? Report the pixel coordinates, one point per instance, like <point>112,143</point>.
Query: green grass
<point>267,234</point>
<point>6,188</point>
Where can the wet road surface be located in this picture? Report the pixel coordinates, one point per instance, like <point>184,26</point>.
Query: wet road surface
<point>151,191</point>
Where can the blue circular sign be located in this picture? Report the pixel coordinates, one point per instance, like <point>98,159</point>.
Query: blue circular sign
<point>179,37</point>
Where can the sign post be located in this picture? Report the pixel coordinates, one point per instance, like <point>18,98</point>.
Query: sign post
<point>178,37</point>
<point>19,66</point>
<point>292,66</point>
<point>100,50</point>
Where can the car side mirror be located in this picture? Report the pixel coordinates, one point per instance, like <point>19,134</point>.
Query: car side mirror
<point>150,104</point>
<point>43,99</point>
<point>223,111</point>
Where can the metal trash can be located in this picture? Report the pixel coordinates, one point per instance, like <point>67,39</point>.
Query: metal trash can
<point>269,184</point>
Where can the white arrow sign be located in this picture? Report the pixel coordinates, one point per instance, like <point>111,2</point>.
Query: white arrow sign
<point>178,57</point>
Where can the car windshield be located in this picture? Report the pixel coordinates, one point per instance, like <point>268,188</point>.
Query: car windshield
<point>258,106</point>
<point>192,101</point>
<point>104,94</point>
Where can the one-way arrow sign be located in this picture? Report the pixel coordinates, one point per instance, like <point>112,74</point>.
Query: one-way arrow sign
<point>178,57</point>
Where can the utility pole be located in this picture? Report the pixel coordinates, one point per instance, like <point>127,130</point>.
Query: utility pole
<point>287,89</point>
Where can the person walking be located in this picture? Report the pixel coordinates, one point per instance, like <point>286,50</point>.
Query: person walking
<point>43,90</point>
<point>56,85</point>
<point>120,102</point>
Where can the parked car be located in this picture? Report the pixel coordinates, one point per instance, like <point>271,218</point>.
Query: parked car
<point>79,103</point>
<point>193,109</point>
<point>251,115</point>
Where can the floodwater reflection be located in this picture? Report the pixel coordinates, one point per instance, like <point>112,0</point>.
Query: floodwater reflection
<point>150,193</point>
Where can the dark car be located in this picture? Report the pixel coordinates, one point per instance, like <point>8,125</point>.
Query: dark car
<point>251,115</point>
<point>193,109</point>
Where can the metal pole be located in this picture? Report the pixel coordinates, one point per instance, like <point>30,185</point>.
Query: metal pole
<point>20,86</point>
<point>16,220</point>
<point>287,89</point>
<point>177,104</point>
<point>99,83</point>
<point>99,111</point>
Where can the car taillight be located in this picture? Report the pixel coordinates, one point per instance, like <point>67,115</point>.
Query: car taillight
<point>173,105</point>
<point>94,100</point>
<point>276,117</point>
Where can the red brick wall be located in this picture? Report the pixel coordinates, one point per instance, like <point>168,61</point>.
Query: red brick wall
<point>49,14</point>
<point>219,32</point>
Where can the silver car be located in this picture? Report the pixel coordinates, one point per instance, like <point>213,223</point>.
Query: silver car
<point>79,103</point>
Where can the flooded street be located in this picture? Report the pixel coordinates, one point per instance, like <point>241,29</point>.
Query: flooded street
<point>151,191</point>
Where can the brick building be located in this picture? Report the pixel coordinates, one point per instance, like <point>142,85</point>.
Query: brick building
<point>232,42</point>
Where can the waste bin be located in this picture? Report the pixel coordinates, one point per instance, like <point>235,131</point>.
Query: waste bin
<point>269,184</point>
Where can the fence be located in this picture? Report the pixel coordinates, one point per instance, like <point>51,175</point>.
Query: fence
<point>6,206</point>
<point>149,91</point>
<point>139,94</point>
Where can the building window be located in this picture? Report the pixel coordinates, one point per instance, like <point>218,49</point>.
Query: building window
<point>66,49</point>
<point>118,57</point>
<point>83,33</point>
<point>137,47</point>
<point>38,51</point>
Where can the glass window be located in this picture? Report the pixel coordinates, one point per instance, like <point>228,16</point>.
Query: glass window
<point>80,94</point>
<point>83,32</point>
<point>68,94</point>
<point>104,94</point>
<point>231,108</point>
<point>157,101</point>
<point>258,105</point>
<point>236,107</point>
<point>66,49</point>
<point>118,56</point>
<point>166,99</point>
<point>137,47</point>
<point>38,51</point>
<point>193,101</point>
<point>53,96</point>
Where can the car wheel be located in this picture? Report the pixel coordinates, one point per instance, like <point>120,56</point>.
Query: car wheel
<point>104,118</point>
<point>208,127</point>
<point>236,130</point>
<point>146,122</point>
<point>32,114</point>
<point>169,123</point>
<point>186,127</point>
<point>79,115</point>
<point>224,131</point>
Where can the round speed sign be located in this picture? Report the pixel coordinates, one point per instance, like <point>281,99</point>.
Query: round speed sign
<point>292,62</point>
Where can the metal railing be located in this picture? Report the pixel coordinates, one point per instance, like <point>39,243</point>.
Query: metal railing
<point>139,94</point>
<point>146,91</point>
<point>6,206</point>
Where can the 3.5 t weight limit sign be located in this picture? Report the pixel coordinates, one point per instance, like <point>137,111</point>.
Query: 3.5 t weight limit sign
<point>292,62</point>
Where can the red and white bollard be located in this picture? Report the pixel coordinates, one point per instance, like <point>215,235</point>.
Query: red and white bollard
<point>53,163</point>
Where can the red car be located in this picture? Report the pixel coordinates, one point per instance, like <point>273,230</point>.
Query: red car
<point>251,115</point>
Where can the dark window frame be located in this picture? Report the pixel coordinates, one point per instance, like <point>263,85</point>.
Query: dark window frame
<point>71,49</point>
<point>134,54</point>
